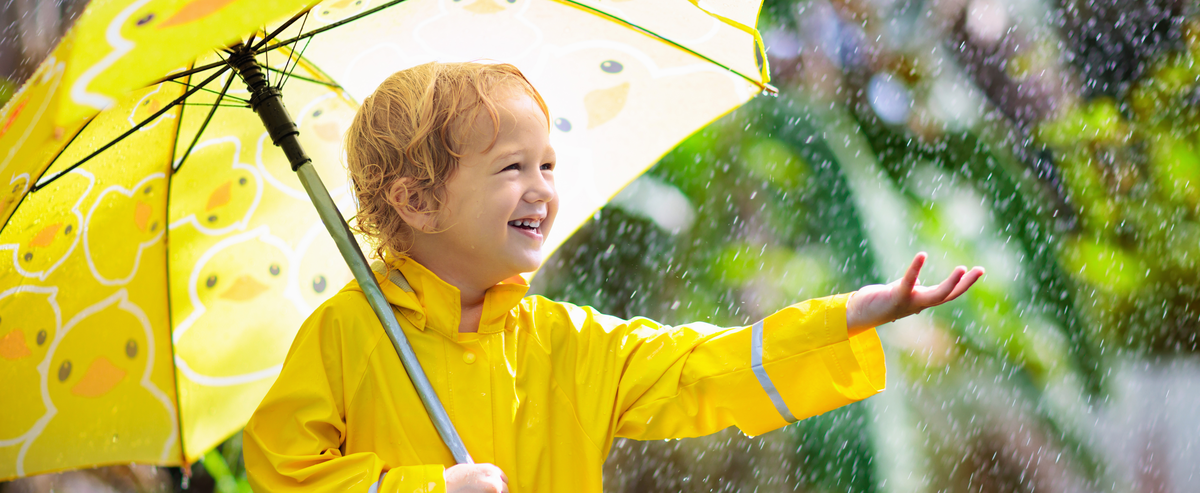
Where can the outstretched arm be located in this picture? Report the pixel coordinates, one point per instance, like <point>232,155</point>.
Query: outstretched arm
<point>879,304</point>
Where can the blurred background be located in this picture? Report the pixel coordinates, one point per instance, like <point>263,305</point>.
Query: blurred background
<point>1054,142</point>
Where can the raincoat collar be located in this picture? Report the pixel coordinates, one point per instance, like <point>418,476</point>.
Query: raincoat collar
<point>429,302</point>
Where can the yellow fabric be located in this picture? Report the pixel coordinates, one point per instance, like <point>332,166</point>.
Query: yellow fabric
<point>541,391</point>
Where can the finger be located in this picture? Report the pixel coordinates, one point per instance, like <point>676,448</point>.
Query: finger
<point>910,277</point>
<point>967,281</point>
<point>503,477</point>
<point>937,294</point>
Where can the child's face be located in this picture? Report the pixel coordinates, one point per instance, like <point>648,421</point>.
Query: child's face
<point>500,204</point>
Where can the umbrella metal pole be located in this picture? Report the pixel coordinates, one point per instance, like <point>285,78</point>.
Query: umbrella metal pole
<point>268,103</point>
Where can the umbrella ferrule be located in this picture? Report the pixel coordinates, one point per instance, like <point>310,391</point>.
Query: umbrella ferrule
<point>267,102</point>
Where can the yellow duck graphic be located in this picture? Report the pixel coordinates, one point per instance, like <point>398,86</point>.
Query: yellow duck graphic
<point>244,311</point>
<point>30,322</point>
<point>592,86</point>
<point>510,36</point>
<point>130,221</point>
<point>150,103</point>
<point>321,270</point>
<point>40,241</point>
<point>105,406</point>
<point>217,202</point>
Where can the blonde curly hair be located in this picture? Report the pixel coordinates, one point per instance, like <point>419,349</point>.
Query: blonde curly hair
<point>413,126</point>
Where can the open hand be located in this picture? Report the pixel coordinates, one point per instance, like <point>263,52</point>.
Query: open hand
<point>879,304</point>
<point>476,478</point>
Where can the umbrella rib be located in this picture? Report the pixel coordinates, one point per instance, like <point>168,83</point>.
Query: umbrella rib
<point>186,73</point>
<point>235,98</point>
<point>221,105</point>
<point>319,30</point>
<point>307,79</point>
<point>286,73</point>
<point>279,29</point>
<point>42,184</point>
<point>203,126</point>
<point>664,39</point>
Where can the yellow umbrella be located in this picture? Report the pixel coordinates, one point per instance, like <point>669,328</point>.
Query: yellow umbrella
<point>155,281</point>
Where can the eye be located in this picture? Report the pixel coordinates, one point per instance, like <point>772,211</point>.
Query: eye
<point>514,166</point>
<point>64,371</point>
<point>211,281</point>
<point>548,166</point>
<point>131,347</point>
<point>611,66</point>
<point>274,269</point>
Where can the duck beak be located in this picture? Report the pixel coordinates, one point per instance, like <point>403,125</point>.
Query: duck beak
<point>484,7</point>
<point>101,376</point>
<point>604,104</point>
<point>46,236</point>
<point>245,288</point>
<point>13,347</point>
<point>218,197</point>
<point>141,215</point>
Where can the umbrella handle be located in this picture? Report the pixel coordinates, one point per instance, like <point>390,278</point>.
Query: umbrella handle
<point>268,103</point>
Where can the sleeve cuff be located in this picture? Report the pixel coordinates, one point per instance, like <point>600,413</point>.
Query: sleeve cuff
<point>812,361</point>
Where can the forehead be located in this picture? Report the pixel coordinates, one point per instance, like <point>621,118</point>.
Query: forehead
<point>514,108</point>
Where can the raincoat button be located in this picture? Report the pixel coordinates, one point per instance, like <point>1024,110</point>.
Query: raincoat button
<point>469,357</point>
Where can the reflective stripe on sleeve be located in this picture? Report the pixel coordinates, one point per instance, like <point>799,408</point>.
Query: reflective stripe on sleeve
<point>761,373</point>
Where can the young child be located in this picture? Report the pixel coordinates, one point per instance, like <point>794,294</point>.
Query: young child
<point>454,175</point>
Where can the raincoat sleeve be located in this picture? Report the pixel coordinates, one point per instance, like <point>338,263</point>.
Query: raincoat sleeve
<point>640,380</point>
<point>293,441</point>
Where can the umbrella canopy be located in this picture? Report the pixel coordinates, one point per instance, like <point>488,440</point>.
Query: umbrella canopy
<point>149,291</point>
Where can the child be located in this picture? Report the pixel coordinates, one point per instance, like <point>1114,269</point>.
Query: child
<point>454,175</point>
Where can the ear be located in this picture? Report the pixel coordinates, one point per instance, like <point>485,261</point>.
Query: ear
<point>411,205</point>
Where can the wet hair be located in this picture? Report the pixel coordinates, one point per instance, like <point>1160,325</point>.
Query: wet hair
<point>413,126</point>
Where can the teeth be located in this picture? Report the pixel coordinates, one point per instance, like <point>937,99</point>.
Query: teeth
<point>528,223</point>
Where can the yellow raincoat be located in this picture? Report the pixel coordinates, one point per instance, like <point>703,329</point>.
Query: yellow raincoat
<point>540,391</point>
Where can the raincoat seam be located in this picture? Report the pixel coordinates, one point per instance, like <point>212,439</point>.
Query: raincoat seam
<point>575,414</point>
<point>838,361</point>
<point>363,377</point>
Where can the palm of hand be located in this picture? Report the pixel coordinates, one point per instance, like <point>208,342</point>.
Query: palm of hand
<point>878,304</point>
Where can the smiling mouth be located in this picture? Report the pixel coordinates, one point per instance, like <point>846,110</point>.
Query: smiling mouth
<point>531,227</point>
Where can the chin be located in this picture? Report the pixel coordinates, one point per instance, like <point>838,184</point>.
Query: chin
<point>527,263</point>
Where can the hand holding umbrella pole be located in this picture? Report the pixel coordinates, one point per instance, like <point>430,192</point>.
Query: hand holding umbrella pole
<point>267,102</point>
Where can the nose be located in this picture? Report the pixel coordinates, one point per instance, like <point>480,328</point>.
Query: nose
<point>539,187</point>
